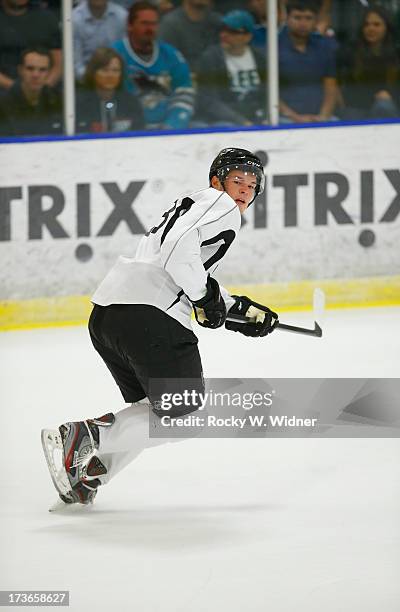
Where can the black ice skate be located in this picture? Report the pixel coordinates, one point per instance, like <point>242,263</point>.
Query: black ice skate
<point>76,475</point>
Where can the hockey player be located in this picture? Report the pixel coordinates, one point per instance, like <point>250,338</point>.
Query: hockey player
<point>141,323</point>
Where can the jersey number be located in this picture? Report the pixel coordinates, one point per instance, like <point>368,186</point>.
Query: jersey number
<point>183,207</point>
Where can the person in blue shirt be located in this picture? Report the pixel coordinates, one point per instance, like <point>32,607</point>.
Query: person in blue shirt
<point>155,71</point>
<point>307,68</point>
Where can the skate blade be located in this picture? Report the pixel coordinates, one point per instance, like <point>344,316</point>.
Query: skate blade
<point>53,452</point>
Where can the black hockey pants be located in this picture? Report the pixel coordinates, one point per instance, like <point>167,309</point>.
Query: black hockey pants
<point>148,353</point>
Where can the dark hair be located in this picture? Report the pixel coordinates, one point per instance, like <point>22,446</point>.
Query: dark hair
<point>362,52</point>
<point>39,51</point>
<point>142,5</point>
<point>386,17</point>
<point>101,58</point>
<point>301,5</point>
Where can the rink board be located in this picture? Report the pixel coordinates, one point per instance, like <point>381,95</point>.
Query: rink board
<point>283,297</point>
<point>330,211</point>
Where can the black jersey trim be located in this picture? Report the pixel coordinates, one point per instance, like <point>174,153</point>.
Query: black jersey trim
<point>178,297</point>
<point>227,236</point>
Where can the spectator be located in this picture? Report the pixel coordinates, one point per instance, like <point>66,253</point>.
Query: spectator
<point>30,107</point>
<point>348,14</point>
<point>258,9</point>
<point>22,27</point>
<point>97,23</point>
<point>369,69</point>
<point>231,76</point>
<point>155,71</point>
<point>307,68</point>
<point>191,28</point>
<point>323,10</point>
<point>103,105</point>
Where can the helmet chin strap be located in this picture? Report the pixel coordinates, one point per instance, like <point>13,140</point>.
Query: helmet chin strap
<point>253,199</point>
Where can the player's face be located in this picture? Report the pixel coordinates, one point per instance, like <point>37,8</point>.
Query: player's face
<point>241,186</point>
<point>374,29</point>
<point>108,77</point>
<point>301,23</point>
<point>34,71</point>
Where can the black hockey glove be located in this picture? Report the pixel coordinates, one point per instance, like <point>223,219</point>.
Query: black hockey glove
<point>262,320</point>
<point>210,311</point>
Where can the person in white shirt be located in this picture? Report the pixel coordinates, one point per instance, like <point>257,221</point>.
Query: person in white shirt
<point>141,323</point>
<point>231,76</point>
<point>96,23</point>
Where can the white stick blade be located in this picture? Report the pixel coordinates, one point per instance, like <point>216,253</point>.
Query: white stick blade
<point>318,304</point>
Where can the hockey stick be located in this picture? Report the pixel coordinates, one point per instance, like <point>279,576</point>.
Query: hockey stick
<point>318,309</point>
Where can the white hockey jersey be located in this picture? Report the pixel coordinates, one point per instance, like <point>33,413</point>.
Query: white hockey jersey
<point>173,259</point>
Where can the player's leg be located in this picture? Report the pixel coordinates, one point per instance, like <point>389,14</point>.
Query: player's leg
<point>138,344</point>
<point>70,452</point>
<point>147,352</point>
<point>155,348</point>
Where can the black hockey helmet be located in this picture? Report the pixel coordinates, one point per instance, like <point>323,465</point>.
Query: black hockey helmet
<point>239,159</point>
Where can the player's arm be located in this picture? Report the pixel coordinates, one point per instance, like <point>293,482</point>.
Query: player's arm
<point>262,320</point>
<point>180,249</point>
<point>180,254</point>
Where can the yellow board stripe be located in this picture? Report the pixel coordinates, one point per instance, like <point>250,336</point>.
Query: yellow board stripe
<point>284,297</point>
<point>340,293</point>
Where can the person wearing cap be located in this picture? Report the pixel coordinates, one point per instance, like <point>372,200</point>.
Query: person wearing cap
<point>231,76</point>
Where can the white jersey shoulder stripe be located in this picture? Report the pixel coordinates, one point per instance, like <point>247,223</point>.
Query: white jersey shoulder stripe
<point>137,58</point>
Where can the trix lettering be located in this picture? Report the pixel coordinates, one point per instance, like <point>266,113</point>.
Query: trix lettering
<point>40,217</point>
<point>331,190</point>
<point>45,203</point>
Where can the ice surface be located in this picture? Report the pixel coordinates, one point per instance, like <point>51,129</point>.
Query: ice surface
<point>206,525</point>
